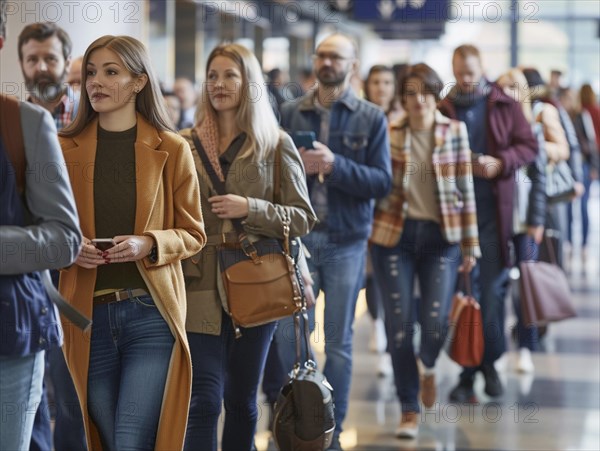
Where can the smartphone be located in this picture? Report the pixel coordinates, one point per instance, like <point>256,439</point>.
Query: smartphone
<point>304,139</point>
<point>475,156</point>
<point>103,244</point>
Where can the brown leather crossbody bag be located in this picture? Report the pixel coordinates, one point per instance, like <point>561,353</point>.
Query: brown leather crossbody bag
<point>261,278</point>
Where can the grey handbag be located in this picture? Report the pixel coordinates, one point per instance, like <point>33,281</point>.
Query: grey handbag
<point>560,184</point>
<point>545,292</point>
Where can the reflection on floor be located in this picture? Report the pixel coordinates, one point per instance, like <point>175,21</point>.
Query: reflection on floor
<point>557,407</point>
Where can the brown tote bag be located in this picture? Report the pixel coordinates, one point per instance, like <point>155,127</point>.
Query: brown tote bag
<point>545,292</point>
<point>466,328</point>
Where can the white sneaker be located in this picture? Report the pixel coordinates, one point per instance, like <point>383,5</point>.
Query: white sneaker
<point>525,383</point>
<point>409,426</point>
<point>384,365</point>
<point>378,340</point>
<point>525,363</point>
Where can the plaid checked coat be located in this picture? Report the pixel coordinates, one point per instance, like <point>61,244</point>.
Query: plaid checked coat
<point>455,192</point>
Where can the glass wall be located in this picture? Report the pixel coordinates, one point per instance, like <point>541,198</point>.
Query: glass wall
<point>550,34</point>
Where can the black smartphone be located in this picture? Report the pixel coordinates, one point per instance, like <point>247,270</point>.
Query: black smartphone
<point>304,139</point>
<point>103,244</point>
<point>475,156</point>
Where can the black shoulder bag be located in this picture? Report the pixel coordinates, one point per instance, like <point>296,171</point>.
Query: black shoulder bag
<point>304,413</point>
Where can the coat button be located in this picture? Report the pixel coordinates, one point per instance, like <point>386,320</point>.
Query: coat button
<point>44,310</point>
<point>41,341</point>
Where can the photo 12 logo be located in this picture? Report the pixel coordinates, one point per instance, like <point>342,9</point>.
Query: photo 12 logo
<point>74,11</point>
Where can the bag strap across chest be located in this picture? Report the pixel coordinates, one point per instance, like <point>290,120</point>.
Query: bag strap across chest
<point>219,186</point>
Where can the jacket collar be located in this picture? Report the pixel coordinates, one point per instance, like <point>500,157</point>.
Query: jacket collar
<point>348,99</point>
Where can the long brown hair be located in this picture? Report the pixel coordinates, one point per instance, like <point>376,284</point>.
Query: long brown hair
<point>149,102</point>
<point>255,115</point>
<point>587,96</point>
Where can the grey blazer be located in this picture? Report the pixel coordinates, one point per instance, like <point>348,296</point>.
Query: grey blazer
<point>53,241</point>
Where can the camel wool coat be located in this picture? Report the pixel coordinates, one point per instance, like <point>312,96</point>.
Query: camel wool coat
<point>168,209</point>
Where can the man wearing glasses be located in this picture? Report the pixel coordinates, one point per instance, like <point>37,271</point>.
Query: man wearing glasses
<point>347,167</point>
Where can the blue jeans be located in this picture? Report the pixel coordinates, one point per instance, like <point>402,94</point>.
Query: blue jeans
<point>131,349</point>
<point>490,284</point>
<point>584,200</point>
<point>422,251</point>
<point>20,394</point>
<point>338,270</point>
<point>526,249</point>
<point>226,369</point>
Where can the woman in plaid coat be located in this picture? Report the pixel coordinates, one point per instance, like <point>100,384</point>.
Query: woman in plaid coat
<point>425,227</point>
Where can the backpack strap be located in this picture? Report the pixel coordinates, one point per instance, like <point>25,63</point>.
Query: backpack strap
<point>12,136</point>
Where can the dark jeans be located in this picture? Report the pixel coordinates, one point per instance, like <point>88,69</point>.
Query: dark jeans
<point>275,374</point>
<point>422,251</point>
<point>584,200</point>
<point>373,294</point>
<point>226,369</point>
<point>490,285</point>
<point>130,354</point>
<point>526,249</point>
<point>68,422</point>
<point>59,395</point>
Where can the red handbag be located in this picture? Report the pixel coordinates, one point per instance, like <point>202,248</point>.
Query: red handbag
<point>466,328</point>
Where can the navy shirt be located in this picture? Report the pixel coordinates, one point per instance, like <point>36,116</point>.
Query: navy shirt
<point>475,116</point>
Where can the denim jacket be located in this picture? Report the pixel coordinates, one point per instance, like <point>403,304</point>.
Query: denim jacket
<point>362,169</point>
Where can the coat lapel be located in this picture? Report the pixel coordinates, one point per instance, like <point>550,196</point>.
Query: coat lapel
<point>149,164</point>
<point>82,159</point>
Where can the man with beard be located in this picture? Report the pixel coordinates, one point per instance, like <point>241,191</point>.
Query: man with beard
<point>45,58</point>
<point>502,141</point>
<point>347,167</point>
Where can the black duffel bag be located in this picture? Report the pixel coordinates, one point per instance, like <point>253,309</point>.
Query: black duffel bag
<point>304,413</point>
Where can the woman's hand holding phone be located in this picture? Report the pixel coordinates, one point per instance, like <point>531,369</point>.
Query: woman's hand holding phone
<point>120,249</point>
<point>129,248</point>
<point>90,256</point>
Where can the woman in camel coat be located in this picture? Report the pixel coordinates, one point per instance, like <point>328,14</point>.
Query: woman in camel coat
<point>134,181</point>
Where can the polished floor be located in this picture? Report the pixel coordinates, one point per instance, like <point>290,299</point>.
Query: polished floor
<point>555,408</point>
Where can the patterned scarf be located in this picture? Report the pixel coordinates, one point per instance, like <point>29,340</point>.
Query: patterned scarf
<point>208,134</point>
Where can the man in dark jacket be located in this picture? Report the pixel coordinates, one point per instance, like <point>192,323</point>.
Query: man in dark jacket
<point>502,141</point>
<point>347,167</point>
<point>28,321</point>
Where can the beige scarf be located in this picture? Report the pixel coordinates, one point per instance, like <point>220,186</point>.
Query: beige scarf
<point>208,134</point>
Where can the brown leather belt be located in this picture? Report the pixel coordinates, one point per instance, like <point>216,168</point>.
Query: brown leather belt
<point>119,296</point>
<point>222,238</point>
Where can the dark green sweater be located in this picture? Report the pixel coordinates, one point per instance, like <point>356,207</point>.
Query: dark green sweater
<point>115,202</point>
